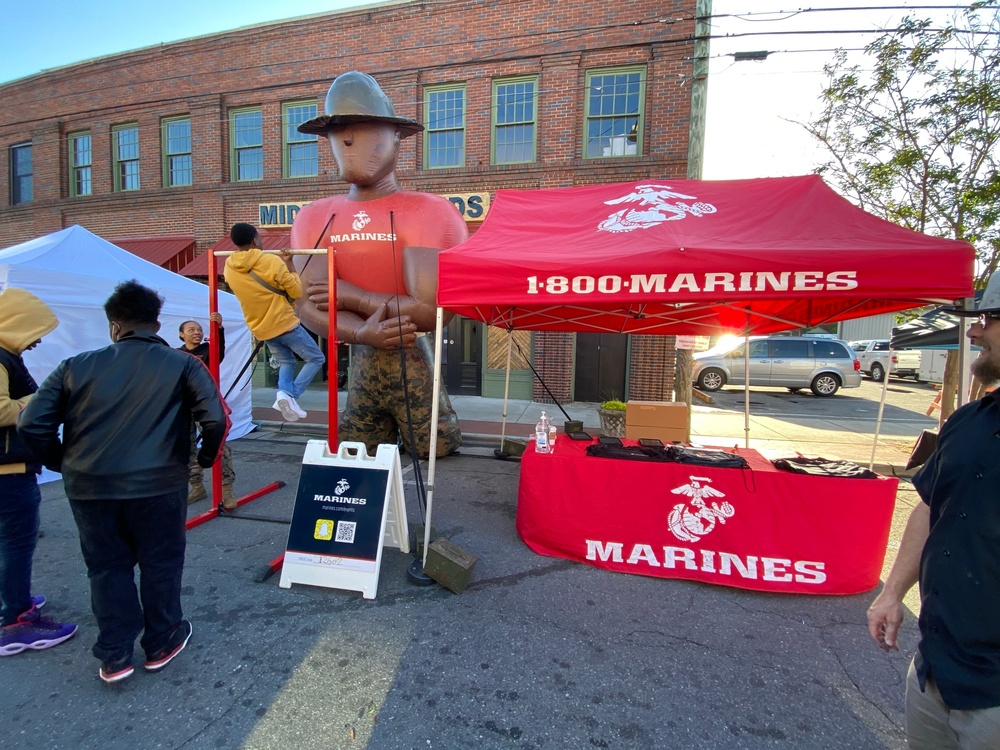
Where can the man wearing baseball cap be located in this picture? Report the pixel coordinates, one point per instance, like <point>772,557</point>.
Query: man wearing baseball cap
<point>387,240</point>
<point>951,546</point>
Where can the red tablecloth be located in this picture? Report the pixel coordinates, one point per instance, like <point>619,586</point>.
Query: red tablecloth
<point>759,528</point>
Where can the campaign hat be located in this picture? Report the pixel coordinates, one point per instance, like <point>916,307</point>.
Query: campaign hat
<point>357,97</point>
<point>989,303</point>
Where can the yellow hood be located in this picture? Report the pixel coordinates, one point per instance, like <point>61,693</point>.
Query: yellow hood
<point>244,260</point>
<point>23,319</point>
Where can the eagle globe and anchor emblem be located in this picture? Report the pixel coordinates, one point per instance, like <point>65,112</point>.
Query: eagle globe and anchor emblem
<point>692,520</point>
<point>657,203</point>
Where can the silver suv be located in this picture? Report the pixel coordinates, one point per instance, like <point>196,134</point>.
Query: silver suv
<point>823,365</point>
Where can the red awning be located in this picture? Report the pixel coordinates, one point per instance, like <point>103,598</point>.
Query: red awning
<point>278,240</point>
<point>693,257</point>
<point>171,251</point>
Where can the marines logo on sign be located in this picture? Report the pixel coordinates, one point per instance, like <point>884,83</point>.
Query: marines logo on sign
<point>342,487</point>
<point>656,204</point>
<point>690,521</point>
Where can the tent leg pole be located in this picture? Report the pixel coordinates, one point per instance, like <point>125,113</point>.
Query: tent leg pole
<point>746,391</point>
<point>881,408</point>
<point>964,358</point>
<point>506,387</point>
<point>432,455</point>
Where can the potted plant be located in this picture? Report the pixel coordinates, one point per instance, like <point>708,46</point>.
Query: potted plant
<point>612,413</point>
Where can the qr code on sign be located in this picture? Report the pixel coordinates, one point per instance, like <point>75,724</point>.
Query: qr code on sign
<point>345,531</point>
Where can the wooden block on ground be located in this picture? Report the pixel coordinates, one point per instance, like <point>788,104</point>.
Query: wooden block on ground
<point>449,565</point>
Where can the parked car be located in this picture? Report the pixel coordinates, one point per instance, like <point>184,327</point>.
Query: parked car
<point>875,359</point>
<point>822,365</point>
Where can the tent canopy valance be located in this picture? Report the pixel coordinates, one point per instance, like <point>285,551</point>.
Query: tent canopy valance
<point>690,256</point>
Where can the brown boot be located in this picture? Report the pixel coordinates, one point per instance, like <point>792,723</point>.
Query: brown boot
<point>228,499</point>
<point>197,492</point>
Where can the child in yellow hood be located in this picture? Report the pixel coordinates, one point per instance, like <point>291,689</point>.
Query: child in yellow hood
<point>24,320</point>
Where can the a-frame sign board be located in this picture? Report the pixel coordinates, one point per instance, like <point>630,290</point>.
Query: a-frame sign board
<point>347,507</point>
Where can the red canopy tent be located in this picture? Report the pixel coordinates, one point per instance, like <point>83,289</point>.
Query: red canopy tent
<point>688,257</point>
<point>693,257</point>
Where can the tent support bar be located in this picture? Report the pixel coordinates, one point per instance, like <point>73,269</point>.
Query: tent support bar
<point>746,391</point>
<point>881,408</point>
<point>535,373</point>
<point>432,454</point>
<point>506,388</point>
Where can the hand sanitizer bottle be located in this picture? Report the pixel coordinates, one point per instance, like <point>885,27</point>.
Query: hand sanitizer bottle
<point>542,435</point>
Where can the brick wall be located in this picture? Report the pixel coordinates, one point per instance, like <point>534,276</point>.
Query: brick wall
<point>405,46</point>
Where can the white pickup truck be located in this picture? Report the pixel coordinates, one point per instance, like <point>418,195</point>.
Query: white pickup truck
<point>874,358</point>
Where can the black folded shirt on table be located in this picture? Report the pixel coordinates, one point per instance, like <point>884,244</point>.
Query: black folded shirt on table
<point>824,467</point>
<point>672,453</point>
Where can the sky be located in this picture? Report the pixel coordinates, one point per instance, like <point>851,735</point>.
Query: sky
<point>753,107</point>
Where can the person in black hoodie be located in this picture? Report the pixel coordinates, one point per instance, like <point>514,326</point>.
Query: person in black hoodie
<point>24,320</point>
<point>193,336</point>
<point>126,412</point>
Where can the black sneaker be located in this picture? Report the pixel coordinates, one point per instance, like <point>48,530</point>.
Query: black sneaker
<point>116,671</point>
<point>178,640</point>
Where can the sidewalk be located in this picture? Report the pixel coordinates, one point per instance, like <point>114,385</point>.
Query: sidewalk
<point>482,421</point>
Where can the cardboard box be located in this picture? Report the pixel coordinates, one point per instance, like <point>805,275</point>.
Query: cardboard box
<point>666,420</point>
<point>667,434</point>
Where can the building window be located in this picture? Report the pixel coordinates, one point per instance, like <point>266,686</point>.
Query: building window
<point>125,140</point>
<point>614,103</point>
<point>514,106</point>
<point>21,184</point>
<point>301,150</point>
<point>80,161</point>
<point>444,141</point>
<point>247,139</point>
<point>177,169</point>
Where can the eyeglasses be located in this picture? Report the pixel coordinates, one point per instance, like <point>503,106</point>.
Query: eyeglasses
<point>985,318</point>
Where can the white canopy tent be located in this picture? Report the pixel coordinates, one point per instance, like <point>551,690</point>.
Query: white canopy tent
<point>74,271</point>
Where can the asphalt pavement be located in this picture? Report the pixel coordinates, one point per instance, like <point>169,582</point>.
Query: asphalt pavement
<point>536,653</point>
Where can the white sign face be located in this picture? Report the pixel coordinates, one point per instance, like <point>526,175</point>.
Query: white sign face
<point>348,506</point>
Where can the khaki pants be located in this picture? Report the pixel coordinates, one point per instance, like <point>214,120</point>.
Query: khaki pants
<point>931,725</point>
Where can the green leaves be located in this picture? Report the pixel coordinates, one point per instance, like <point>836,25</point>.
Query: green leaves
<point>913,133</point>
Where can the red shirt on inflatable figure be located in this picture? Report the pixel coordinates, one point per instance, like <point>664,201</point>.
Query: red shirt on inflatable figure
<point>386,242</point>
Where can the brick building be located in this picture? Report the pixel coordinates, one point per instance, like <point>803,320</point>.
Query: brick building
<point>162,149</point>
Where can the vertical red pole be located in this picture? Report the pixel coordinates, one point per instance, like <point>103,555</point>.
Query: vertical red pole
<point>332,353</point>
<point>213,363</point>
<point>213,306</point>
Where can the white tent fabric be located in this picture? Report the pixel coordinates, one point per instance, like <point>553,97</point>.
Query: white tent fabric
<point>74,271</point>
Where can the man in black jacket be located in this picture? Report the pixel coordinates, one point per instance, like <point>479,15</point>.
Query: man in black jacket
<point>126,412</point>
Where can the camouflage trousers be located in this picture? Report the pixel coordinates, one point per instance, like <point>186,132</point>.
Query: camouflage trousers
<point>375,412</point>
<point>197,474</point>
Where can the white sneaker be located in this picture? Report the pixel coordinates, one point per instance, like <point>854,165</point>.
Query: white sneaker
<point>283,403</point>
<point>296,408</point>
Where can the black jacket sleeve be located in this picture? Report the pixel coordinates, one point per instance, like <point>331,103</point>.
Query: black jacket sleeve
<point>209,411</point>
<point>222,343</point>
<point>39,423</point>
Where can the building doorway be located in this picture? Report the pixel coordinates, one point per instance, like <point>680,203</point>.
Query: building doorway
<point>601,365</point>
<point>462,356</point>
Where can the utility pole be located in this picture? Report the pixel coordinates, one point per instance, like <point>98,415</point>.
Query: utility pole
<point>696,153</point>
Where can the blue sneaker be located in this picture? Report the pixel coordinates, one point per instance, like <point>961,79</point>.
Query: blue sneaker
<point>33,631</point>
<point>38,601</point>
